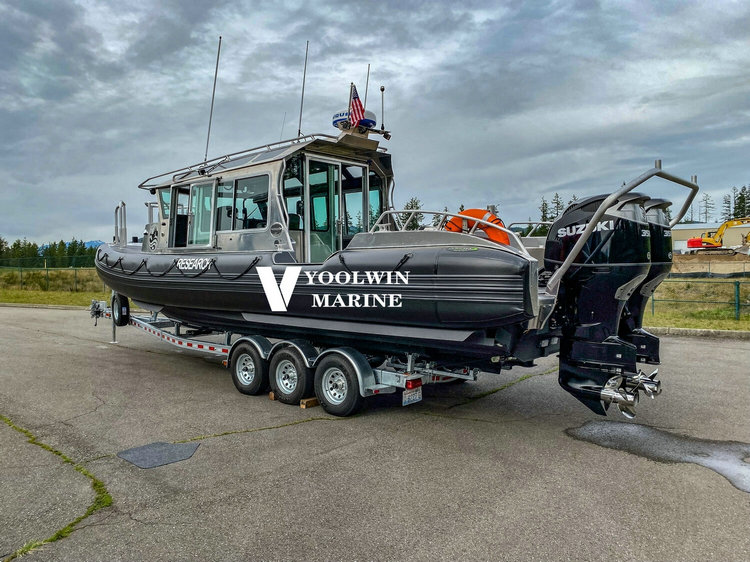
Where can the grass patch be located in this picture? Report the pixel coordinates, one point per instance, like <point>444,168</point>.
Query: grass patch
<point>62,279</point>
<point>715,312</point>
<point>679,315</point>
<point>102,497</point>
<point>22,296</point>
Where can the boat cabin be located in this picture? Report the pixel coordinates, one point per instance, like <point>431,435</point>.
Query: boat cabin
<point>307,198</point>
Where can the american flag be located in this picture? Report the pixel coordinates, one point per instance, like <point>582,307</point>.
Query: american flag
<point>357,112</point>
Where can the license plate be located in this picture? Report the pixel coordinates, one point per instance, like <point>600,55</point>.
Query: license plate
<point>411,396</point>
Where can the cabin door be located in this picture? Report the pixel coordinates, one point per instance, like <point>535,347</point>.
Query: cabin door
<point>180,216</point>
<point>335,206</point>
<point>199,218</point>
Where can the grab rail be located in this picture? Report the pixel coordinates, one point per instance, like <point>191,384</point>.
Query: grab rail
<point>515,242</point>
<point>204,168</point>
<point>553,285</point>
<point>121,226</point>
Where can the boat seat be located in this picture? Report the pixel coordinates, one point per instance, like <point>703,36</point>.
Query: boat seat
<point>295,222</point>
<point>224,218</point>
<point>180,231</point>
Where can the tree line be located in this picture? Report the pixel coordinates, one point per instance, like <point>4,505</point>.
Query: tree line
<point>735,205</point>
<point>548,211</point>
<point>23,253</point>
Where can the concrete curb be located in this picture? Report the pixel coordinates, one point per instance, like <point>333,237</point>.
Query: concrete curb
<point>694,332</point>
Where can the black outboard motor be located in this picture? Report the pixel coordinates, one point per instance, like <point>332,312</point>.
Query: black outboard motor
<point>631,322</point>
<point>596,365</point>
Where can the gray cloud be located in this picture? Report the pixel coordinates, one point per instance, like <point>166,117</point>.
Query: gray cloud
<point>488,102</point>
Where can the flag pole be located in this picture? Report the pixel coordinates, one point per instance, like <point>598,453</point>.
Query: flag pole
<point>349,109</point>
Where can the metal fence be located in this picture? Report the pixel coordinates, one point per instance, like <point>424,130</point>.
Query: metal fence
<point>52,262</point>
<point>69,279</point>
<point>724,295</point>
<point>710,270</point>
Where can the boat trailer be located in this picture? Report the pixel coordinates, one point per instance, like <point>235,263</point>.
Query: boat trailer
<point>336,370</point>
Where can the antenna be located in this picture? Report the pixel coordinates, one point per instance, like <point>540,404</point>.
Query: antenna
<point>367,85</point>
<point>213,95</point>
<point>382,108</point>
<point>283,122</point>
<point>301,101</point>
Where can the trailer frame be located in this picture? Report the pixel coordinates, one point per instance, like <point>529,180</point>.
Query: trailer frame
<point>407,374</point>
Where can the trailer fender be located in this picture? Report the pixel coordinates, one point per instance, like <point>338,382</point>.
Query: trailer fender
<point>306,350</point>
<point>365,376</point>
<point>261,344</point>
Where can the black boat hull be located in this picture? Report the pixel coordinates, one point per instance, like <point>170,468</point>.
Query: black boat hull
<point>435,298</point>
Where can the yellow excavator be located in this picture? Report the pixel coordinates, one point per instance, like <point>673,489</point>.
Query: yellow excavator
<point>713,242</point>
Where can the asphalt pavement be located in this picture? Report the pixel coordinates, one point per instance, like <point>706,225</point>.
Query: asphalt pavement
<point>504,468</point>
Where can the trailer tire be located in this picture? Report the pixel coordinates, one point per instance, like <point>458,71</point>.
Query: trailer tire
<point>337,386</point>
<point>290,379</point>
<point>249,370</point>
<point>120,310</point>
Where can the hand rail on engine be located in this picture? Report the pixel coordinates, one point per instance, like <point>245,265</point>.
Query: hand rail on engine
<point>553,285</point>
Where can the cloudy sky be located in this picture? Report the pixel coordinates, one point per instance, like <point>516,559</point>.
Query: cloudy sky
<point>489,102</point>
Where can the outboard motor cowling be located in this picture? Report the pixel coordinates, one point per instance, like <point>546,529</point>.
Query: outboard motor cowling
<point>596,365</point>
<point>631,321</point>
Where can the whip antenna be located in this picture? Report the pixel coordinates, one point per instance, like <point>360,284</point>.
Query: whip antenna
<point>382,108</point>
<point>283,122</point>
<point>213,95</point>
<point>301,101</point>
<point>367,85</point>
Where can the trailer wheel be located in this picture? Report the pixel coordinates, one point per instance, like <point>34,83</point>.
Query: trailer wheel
<point>120,310</point>
<point>249,371</point>
<point>337,386</point>
<point>290,379</point>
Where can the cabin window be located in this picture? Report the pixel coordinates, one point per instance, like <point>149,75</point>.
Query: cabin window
<point>353,204</point>
<point>353,216</point>
<point>323,178</point>
<point>164,200</point>
<point>224,206</point>
<point>242,205</point>
<point>293,186</point>
<point>251,203</point>
<point>201,200</point>
<point>375,198</point>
